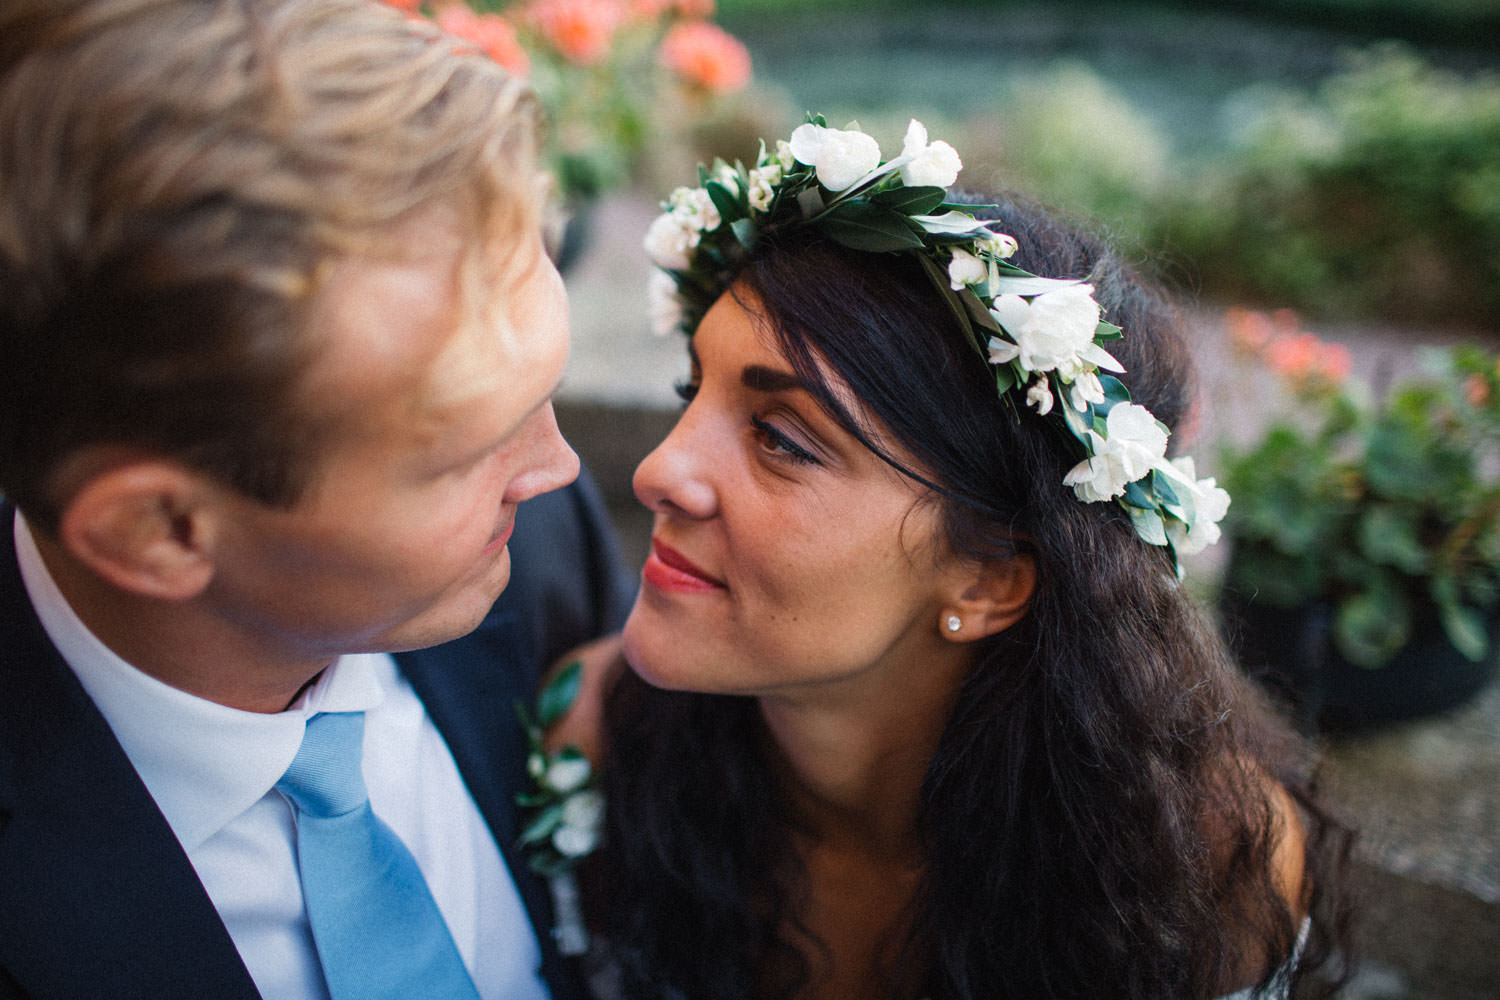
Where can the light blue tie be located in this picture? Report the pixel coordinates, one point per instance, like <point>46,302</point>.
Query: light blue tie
<point>378,932</point>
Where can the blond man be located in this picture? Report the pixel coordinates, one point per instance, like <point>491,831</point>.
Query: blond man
<point>278,347</point>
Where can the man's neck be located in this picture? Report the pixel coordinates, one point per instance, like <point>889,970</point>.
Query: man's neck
<point>178,643</point>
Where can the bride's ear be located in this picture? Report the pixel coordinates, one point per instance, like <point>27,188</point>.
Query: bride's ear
<point>989,599</point>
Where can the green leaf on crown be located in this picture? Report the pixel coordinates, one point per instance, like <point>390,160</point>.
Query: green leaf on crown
<point>1136,496</point>
<point>1114,392</point>
<point>861,225</point>
<point>1005,379</point>
<point>727,203</point>
<point>911,200</point>
<point>744,230</point>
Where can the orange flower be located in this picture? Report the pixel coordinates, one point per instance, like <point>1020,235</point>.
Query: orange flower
<point>581,30</point>
<point>1476,390</point>
<point>1249,331</point>
<point>699,9</point>
<point>707,56</point>
<point>491,32</point>
<point>1303,357</point>
<point>410,6</point>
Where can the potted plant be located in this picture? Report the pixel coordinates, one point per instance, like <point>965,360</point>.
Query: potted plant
<point>609,73</point>
<point>1365,530</point>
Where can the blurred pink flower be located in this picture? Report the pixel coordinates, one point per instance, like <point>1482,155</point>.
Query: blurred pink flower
<point>491,32</point>
<point>581,30</point>
<point>1289,351</point>
<point>1249,331</point>
<point>707,56</point>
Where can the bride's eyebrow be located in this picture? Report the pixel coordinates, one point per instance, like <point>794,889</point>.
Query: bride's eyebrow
<point>759,378</point>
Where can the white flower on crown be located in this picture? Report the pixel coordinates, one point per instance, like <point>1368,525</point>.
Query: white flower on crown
<point>727,176</point>
<point>673,236</point>
<point>1039,396</point>
<point>1133,443</point>
<point>1209,504</point>
<point>1055,328</point>
<point>933,164</point>
<point>763,181</point>
<point>783,157</point>
<point>663,306</point>
<point>1084,390</point>
<point>966,269</point>
<point>696,207</point>
<point>997,244</point>
<point>670,240</point>
<point>840,157</point>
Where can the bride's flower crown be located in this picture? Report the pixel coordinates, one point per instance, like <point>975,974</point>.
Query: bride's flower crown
<point>1042,337</point>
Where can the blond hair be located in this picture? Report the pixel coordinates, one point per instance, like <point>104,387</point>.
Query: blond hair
<point>178,174</point>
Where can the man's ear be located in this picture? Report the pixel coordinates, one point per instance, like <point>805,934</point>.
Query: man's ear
<point>990,598</point>
<point>145,526</point>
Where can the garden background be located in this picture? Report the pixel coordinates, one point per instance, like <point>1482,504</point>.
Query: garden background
<point>1339,158</point>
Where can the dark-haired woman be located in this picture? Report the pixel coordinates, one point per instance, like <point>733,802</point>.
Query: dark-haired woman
<point>916,705</point>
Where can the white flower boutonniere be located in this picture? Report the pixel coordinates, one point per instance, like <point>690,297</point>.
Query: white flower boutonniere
<point>565,811</point>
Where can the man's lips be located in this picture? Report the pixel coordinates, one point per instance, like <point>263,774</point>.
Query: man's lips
<point>668,569</point>
<point>499,541</point>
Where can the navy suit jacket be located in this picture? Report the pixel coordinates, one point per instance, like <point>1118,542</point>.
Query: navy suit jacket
<point>97,899</point>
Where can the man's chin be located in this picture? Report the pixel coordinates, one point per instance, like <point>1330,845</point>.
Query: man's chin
<point>456,615</point>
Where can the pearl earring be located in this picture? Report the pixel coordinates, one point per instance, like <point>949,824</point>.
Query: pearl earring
<point>954,623</point>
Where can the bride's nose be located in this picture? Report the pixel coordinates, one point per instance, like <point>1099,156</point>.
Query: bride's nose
<point>675,478</point>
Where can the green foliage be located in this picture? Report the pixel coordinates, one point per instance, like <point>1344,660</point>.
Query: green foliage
<point>1378,509</point>
<point>1377,195</point>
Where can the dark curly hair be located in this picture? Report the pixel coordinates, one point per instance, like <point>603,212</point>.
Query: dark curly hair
<point>1097,820</point>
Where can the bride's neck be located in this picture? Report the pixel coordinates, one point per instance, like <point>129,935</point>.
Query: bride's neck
<point>853,768</point>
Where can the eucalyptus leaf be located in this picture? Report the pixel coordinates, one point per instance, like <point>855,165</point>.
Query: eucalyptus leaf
<point>1162,487</point>
<point>1114,392</point>
<point>558,695</point>
<point>744,231</point>
<point>860,225</point>
<point>1030,284</point>
<point>1137,495</point>
<point>977,311</point>
<point>910,200</point>
<point>725,201</point>
<point>542,825</point>
<point>939,279</point>
<point>951,224</point>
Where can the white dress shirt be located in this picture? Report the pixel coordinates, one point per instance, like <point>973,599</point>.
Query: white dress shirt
<point>212,771</point>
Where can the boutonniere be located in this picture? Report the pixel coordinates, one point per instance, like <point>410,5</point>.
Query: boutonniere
<point>564,811</point>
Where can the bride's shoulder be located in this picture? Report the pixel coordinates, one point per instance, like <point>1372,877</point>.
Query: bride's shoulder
<point>598,664</point>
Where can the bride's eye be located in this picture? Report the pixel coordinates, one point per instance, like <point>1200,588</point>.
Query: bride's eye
<point>779,444</point>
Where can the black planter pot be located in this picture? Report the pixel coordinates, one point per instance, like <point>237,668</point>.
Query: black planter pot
<point>1291,653</point>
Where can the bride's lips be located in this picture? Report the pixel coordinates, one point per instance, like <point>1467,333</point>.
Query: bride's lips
<point>668,569</point>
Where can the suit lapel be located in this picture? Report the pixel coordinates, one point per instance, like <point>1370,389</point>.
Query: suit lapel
<point>470,687</point>
<point>96,896</point>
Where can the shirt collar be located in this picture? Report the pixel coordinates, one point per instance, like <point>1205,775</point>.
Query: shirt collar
<point>204,763</point>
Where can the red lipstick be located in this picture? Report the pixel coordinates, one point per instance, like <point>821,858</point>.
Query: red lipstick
<point>668,569</point>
